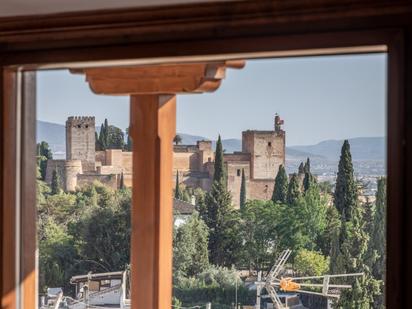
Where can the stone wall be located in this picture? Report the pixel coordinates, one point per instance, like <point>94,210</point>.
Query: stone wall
<point>260,189</point>
<point>127,162</point>
<point>185,162</point>
<point>57,165</point>
<point>234,179</point>
<point>267,151</point>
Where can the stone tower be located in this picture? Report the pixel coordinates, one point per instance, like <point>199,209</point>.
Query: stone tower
<point>267,150</point>
<point>80,141</point>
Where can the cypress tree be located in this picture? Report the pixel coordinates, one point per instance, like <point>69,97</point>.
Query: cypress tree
<point>243,191</point>
<point>345,192</point>
<point>121,186</point>
<point>218,203</point>
<point>129,145</point>
<point>301,169</point>
<point>377,244</point>
<point>306,168</point>
<point>219,173</point>
<point>55,183</point>
<point>293,190</point>
<point>97,142</point>
<point>353,256</point>
<point>281,186</point>
<point>308,181</point>
<point>102,138</point>
<point>106,132</point>
<point>178,191</point>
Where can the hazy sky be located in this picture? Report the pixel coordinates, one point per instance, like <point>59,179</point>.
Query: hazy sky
<point>319,98</point>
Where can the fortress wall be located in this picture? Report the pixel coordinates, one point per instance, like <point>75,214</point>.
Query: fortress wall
<point>110,169</point>
<point>114,157</point>
<point>127,161</point>
<point>57,165</point>
<point>127,180</point>
<point>260,189</point>
<point>184,161</point>
<point>234,179</point>
<point>236,157</point>
<point>101,157</point>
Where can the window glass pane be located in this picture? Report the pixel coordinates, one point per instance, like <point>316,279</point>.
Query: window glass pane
<point>307,136</point>
<point>84,193</point>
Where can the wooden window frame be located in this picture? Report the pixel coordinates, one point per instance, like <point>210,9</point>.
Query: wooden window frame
<point>205,32</point>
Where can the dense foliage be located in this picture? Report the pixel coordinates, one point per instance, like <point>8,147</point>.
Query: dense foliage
<point>328,232</point>
<point>88,230</point>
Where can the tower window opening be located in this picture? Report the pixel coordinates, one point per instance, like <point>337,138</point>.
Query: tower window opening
<point>238,172</point>
<point>270,144</point>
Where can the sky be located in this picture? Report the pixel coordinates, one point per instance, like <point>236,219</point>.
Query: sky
<point>319,98</point>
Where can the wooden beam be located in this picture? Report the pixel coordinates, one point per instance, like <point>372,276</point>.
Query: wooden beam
<point>153,126</point>
<point>158,79</point>
<point>9,258</point>
<point>28,275</point>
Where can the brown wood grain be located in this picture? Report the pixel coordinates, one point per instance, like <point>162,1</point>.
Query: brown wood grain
<point>28,229</point>
<point>153,119</point>
<point>8,198</point>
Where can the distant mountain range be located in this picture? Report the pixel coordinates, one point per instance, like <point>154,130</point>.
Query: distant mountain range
<point>362,148</point>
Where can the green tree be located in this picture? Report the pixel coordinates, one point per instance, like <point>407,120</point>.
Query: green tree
<point>353,260</point>
<point>308,181</point>
<point>353,239</point>
<point>98,147</point>
<point>104,135</point>
<point>177,139</point>
<point>44,153</point>
<point>219,169</point>
<point>190,248</point>
<point>105,234</point>
<point>306,168</point>
<point>293,193</point>
<point>301,168</point>
<point>178,191</point>
<point>310,263</point>
<point>115,139</point>
<point>56,255</point>
<point>43,150</point>
<point>304,224</point>
<point>121,184</point>
<point>345,192</point>
<point>280,190</point>
<point>377,244</point>
<point>218,203</point>
<point>55,183</point>
<point>129,143</point>
<point>260,221</point>
<point>243,191</point>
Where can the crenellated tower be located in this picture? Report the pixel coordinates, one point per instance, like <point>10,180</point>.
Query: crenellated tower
<point>267,150</point>
<point>80,141</point>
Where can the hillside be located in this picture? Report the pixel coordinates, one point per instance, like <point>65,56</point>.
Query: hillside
<point>362,148</point>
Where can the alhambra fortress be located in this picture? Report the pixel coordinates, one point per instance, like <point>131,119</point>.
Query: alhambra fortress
<point>262,154</point>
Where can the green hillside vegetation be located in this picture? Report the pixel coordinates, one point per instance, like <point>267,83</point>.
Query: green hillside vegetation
<point>328,232</point>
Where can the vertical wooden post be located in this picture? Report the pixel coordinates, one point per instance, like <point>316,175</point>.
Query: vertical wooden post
<point>9,196</point>
<point>28,275</point>
<point>153,126</point>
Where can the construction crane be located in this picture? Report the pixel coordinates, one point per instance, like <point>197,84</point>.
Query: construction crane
<point>273,282</point>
